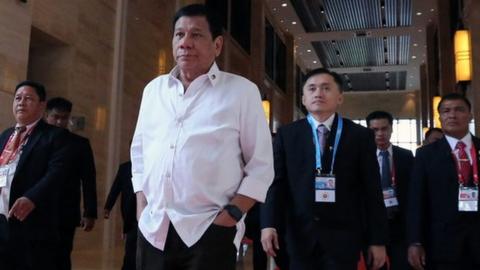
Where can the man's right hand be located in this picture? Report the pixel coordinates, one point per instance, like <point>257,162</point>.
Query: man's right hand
<point>416,257</point>
<point>141,203</point>
<point>270,241</point>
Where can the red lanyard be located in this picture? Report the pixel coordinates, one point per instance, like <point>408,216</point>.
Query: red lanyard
<point>473,155</point>
<point>23,140</point>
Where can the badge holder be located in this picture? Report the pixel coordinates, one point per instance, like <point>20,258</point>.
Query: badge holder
<point>324,188</point>
<point>3,176</point>
<point>467,199</point>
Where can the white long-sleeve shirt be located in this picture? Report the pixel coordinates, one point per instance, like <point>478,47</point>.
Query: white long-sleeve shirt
<point>194,150</point>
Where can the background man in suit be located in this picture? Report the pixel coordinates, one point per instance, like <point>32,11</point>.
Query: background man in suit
<point>33,162</point>
<point>82,177</point>
<point>323,225</point>
<point>443,217</point>
<point>123,184</point>
<point>433,135</point>
<point>395,168</point>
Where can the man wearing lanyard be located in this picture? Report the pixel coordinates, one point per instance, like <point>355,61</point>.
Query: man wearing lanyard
<point>32,164</point>
<point>395,168</point>
<point>326,184</point>
<point>443,219</point>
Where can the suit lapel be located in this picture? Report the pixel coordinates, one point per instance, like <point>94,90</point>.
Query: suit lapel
<point>306,141</point>
<point>476,143</point>
<point>5,137</point>
<point>446,160</point>
<point>32,140</point>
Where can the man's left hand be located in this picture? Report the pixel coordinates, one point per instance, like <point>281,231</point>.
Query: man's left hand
<point>22,207</point>
<point>224,219</point>
<point>87,223</point>
<point>377,256</point>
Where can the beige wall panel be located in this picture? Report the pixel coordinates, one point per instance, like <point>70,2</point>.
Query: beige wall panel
<point>15,24</point>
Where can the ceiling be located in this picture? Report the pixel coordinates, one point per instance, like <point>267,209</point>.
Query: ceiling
<point>376,45</point>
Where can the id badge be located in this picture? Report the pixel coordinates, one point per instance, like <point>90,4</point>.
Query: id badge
<point>3,176</point>
<point>389,197</point>
<point>325,188</point>
<point>468,199</point>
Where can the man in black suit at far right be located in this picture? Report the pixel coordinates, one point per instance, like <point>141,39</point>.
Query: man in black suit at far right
<point>123,185</point>
<point>395,168</point>
<point>33,163</point>
<point>443,225</point>
<point>326,184</point>
<point>81,179</point>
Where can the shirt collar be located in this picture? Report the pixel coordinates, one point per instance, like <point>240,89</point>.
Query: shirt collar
<point>467,140</point>
<point>327,123</point>
<point>389,149</point>
<point>30,126</point>
<point>213,74</point>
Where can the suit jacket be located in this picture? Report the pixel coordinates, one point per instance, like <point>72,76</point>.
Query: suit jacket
<point>291,197</point>
<point>403,163</point>
<point>433,216</point>
<point>80,179</point>
<point>123,184</point>
<point>41,167</point>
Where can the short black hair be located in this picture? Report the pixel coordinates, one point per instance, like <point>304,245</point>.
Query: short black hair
<point>379,115</point>
<point>336,77</point>
<point>454,96</point>
<point>431,130</point>
<point>201,10</point>
<point>39,88</point>
<point>59,104</point>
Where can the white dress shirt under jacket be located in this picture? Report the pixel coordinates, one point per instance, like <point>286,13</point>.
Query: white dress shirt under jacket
<point>194,150</point>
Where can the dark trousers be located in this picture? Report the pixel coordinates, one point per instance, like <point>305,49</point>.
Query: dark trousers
<point>397,256</point>
<point>65,248</point>
<point>320,260</point>
<point>214,251</point>
<point>130,250</point>
<point>24,253</point>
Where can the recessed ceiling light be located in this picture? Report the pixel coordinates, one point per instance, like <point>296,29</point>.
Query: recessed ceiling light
<point>415,44</point>
<point>309,50</point>
<point>294,22</point>
<point>420,30</point>
<point>322,11</point>
<point>281,21</point>
<point>274,9</point>
<point>414,57</point>
<point>419,13</point>
<point>284,4</point>
<point>432,9</point>
<point>314,61</point>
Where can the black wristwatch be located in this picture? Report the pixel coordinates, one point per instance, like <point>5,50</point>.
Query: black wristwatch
<point>234,212</point>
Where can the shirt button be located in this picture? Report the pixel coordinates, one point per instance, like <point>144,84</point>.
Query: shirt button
<point>172,146</point>
<point>180,95</point>
<point>167,175</point>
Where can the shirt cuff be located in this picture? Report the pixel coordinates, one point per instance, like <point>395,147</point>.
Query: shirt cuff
<point>254,189</point>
